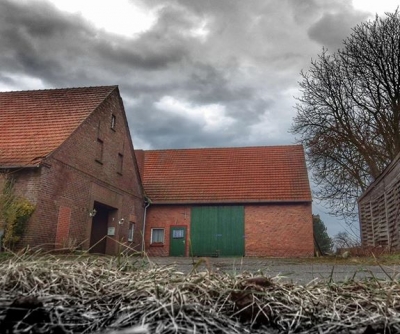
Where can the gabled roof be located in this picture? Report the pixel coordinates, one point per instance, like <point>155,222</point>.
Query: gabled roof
<point>35,123</point>
<point>226,175</point>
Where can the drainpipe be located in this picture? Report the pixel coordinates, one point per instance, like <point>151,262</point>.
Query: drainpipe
<point>147,203</point>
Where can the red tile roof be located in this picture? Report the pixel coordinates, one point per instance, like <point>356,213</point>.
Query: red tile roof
<point>226,175</point>
<point>34,123</point>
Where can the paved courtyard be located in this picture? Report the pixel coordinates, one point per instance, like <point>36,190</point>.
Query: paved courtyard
<point>290,270</point>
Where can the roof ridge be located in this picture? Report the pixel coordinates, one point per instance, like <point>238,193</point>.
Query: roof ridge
<point>54,89</point>
<point>222,147</point>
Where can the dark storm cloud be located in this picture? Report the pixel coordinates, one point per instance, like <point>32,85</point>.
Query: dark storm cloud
<point>20,28</point>
<point>143,57</point>
<point>331,29</point>
<point>210,84</point>
<point>159,128</point>
<point>61,48</point>
<point>239,58</point>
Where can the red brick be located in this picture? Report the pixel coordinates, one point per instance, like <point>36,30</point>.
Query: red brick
<point>166,217</point>
<point>279,230</point>
<point>273,230</point>
<point>64,218</point>
<point>70,177</point>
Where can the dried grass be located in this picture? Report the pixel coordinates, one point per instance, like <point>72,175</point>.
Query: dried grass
<point>96,295</point>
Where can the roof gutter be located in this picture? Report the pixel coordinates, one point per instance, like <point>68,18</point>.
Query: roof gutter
<point>19,166</point>
<point>34,163</point>
<point>232,202</point>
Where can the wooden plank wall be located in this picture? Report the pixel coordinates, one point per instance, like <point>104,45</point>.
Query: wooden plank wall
<point>380,212</point>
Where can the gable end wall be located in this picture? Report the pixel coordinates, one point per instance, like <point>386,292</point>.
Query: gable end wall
<point>72,179</point>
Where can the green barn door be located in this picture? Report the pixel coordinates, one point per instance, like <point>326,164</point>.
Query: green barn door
<point>217,231</point>
<point>203,231</point>
<point>177,241</point>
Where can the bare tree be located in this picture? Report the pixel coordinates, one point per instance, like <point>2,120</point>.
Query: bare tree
<point>348,116</point>
<point>344,240</point>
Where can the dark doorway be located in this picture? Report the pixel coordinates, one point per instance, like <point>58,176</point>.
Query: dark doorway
<point>98,234</point>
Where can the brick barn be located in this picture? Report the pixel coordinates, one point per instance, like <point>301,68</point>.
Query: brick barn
<point>248,201</point>
<point>71,155</point>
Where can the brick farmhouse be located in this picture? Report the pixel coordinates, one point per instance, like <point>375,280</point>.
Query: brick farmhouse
<point>71,155</point>
<point>248,201</point>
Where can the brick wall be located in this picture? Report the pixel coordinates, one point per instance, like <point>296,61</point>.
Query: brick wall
<point>65,188</point>
<point>165,216</point>
<point>279,230</point>
<point>63,224</point>
<point>270,230</point>
<point>27,182</point>
<point>72,179</point>
<point>27,185</point>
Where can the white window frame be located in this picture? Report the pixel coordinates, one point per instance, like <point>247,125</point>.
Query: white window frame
<point>131,232</point>
<point>163,235</point>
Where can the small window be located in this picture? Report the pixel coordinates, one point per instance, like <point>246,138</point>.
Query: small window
<point>157,235</point>
<point>178,234</point>
<point>99,150</point>
<point>131,231</point>
<point>113,121</point>
<point>120,163</point>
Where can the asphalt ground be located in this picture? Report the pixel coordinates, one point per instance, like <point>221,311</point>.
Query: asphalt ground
<point>301,271</point>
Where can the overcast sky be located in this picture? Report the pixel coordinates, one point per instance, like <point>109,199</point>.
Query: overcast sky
<point>192,73</point>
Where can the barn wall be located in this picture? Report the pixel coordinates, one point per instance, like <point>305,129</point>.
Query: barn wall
<point>26,184</point>
<point>165,216</point>
<point>279,230</point>
<point>270,230</point>
<point>379,212</point>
